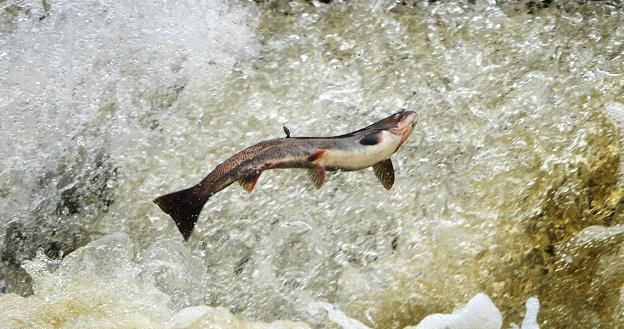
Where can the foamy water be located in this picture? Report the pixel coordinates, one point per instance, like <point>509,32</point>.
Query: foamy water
<point>507,190</point>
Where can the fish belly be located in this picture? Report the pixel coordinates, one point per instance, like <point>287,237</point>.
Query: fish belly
<point>361,156</point>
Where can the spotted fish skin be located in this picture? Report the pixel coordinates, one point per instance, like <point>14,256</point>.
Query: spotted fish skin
<point>369,146</point>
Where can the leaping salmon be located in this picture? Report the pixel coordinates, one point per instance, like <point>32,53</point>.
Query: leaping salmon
<point>369,146</point>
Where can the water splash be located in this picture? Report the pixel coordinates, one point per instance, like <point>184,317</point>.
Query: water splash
<point>512,159</point>
<point>87,85</point>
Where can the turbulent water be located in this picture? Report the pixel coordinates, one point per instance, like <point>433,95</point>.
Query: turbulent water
<point>507,206</point>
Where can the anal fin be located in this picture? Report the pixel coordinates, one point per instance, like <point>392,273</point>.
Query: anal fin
<point>385,173</point>
<point>317,175</point>
<point>249,182</point>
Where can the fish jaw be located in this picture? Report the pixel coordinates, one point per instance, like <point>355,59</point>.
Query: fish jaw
<point>405,126</point>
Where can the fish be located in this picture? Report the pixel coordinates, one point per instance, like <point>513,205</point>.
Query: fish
<point>371,146</point>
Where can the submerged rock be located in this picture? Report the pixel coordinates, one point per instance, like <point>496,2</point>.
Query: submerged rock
<point>74,196</point>
<point>101,286</point>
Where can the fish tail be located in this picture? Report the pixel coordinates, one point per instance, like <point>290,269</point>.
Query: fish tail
<point>184,207</point>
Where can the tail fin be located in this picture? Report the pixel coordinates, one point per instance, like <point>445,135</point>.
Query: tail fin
<point>184,207</point>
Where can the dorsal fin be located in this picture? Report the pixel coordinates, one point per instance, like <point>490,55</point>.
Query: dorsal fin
<point>317,175</point>
<point>286,131</point>
<point>385,173</point>
<point>249,182</point>
<point>372,139</point>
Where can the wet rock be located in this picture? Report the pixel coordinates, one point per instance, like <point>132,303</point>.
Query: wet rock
<point>58,225</point>
<point>584,195</point>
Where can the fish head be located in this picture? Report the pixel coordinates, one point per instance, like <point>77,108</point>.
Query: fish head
<point>401,123</point>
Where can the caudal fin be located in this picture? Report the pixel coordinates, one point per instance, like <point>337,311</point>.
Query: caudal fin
<point>184,207</point>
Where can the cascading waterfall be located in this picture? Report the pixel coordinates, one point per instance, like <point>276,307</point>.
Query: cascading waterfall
<point>507,199</point>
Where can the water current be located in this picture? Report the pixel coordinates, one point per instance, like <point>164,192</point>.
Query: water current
<point>507,210</point>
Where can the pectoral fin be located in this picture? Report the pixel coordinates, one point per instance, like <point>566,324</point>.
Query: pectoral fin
<point>248,183</point>
<point>317,175</point>
<point>385,173</point>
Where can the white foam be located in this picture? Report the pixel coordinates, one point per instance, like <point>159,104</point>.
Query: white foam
<point>337,316</point>
<point>479,313</point>
<point>80,76</point>
<point>200,317</point>
<point>102,285</point>
<point>105,282</point>
<point>530,317</point>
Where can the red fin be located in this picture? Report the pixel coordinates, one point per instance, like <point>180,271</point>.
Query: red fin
<point>318,154</point>
<point>248,183</point>
<point>317,175</point>
<point>385,173</point>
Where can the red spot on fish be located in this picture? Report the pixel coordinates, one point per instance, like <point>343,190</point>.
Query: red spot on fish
<point>319,154</point>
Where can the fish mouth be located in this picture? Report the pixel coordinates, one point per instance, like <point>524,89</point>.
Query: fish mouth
<point>405,126</point>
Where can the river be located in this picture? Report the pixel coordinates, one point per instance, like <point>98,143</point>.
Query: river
<point>507,207</point>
